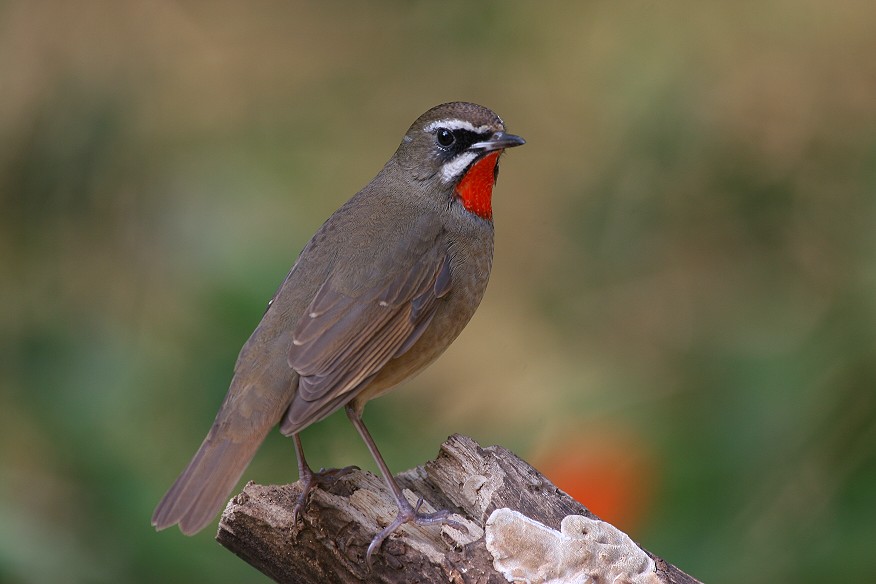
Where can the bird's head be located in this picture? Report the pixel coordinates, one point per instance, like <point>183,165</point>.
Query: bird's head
<point>455,148</point>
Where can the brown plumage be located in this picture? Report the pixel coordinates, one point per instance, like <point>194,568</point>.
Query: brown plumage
<point>379,292</point>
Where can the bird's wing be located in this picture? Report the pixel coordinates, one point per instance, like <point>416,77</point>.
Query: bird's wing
<point>345,339</point>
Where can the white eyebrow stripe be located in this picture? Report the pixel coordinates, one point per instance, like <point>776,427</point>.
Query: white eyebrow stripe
<point>454,168</point>
<point>454,124</point>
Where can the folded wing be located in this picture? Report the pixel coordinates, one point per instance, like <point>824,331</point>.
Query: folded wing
<point>345,339</point>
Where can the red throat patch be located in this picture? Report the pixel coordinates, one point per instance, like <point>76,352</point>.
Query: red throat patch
<point>475,190</point>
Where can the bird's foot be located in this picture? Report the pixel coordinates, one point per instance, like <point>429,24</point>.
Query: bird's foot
<point>408,514</point>
<point>324,479</point>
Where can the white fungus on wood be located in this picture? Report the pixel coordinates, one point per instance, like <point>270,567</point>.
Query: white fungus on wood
<point>584,551</point>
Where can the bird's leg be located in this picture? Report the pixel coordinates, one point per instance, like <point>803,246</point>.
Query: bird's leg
<point>310,480</point>
<point>406,512</point>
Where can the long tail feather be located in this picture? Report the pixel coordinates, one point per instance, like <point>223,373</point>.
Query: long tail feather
<point>205,485</point>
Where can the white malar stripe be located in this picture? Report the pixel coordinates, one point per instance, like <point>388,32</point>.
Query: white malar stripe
<point>454,168</point>
<point>454,124</point>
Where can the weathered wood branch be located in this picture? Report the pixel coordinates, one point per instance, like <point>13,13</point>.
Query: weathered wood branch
<point>521,528</point>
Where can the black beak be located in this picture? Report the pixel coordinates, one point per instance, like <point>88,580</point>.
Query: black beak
<point>498,141</point>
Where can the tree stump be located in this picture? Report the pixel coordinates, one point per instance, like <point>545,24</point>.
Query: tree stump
<point>521,528</point>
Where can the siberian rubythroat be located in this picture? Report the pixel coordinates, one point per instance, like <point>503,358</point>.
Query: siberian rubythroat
<point>379,292</point>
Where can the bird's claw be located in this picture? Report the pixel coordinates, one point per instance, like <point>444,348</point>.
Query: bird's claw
<point>408,514</point>
<point>310,481</point>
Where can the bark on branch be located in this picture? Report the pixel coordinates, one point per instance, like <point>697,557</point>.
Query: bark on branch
<point>521,528</point>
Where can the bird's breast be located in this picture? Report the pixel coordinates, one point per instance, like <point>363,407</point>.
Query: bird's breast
<point>471,262</point>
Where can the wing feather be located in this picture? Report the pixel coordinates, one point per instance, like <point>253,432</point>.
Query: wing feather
<point>344,340</point>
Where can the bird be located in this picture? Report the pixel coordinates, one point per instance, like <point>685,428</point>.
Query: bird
<point>378,293</point>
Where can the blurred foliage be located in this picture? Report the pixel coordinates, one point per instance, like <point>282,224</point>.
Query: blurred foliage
<point>681,324</point>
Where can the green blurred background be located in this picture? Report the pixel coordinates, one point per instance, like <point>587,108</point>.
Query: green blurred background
<point>681,323</point>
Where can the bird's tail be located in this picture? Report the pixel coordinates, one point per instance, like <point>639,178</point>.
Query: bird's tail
<point>204,486</point>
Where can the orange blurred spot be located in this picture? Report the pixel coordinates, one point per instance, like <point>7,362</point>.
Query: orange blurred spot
<point>608,472</point>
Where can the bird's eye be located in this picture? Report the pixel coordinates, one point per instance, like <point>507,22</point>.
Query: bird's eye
<point>445,137</point>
